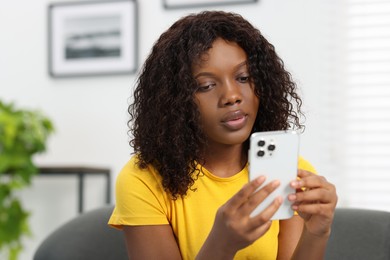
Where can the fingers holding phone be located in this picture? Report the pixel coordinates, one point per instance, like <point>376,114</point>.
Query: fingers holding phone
<point>315,201</point>
<point>233,222</point>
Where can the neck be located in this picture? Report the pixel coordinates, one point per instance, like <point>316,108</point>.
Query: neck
<point>225,160</point>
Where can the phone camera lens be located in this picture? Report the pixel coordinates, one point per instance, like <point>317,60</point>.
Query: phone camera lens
<point>260,153</point>
<point>261,143</point>
<point>271,147</point>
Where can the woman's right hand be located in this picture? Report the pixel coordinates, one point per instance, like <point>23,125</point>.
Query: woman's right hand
<point>234,228</point>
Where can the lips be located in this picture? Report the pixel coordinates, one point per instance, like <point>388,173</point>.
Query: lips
<point>234,120</point>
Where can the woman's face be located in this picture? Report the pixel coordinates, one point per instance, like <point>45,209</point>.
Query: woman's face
<point>225,95</point>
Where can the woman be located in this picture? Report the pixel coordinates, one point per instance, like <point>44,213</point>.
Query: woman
<point>210,81</point>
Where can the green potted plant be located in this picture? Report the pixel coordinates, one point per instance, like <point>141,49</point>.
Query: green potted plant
<point>23,133</point>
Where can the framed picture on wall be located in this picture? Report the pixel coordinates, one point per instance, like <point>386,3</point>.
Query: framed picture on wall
<point>92,38</point>
<point>172,4</point>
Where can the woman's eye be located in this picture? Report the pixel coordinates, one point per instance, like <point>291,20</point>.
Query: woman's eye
<point>204,88</point>
<point>243,79</point>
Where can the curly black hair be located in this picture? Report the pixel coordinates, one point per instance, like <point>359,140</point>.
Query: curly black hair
<point>164,118</point>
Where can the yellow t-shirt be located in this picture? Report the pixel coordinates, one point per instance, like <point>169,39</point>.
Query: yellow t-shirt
<point>141,200</point>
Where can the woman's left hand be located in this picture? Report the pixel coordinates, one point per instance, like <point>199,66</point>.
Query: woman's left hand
<point>315,201</point>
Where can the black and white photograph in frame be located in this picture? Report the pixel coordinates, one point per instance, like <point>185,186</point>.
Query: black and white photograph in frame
<point>92,38</point>
<point>173,4</point>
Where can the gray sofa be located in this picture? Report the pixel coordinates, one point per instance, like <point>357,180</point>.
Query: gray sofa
<point>357,234</point>
<point>85,237</point>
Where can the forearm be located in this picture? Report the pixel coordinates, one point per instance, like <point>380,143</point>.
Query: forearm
<point>212,250</point>
<point>311,246</point>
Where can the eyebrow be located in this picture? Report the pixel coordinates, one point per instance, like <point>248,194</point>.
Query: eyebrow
<point>208,74</point>
<point>242,64</point>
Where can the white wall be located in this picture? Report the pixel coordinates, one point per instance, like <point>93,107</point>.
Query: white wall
<point>90,113</point>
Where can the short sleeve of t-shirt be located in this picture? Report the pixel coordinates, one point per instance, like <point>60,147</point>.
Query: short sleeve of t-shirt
<point>139,197</point>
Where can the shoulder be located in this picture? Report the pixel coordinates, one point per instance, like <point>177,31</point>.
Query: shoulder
<point>136,177</point>
<point>305,165</point>
<point>132,169</point>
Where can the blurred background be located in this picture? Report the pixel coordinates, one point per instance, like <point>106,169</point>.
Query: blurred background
<point>338,52</point>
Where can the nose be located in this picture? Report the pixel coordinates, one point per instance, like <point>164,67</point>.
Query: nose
<point>231,94</point>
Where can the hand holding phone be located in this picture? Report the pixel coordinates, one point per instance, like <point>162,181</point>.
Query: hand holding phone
<point>275,156</point>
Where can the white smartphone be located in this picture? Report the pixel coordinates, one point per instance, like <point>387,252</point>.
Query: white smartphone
<point>275,155</point>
